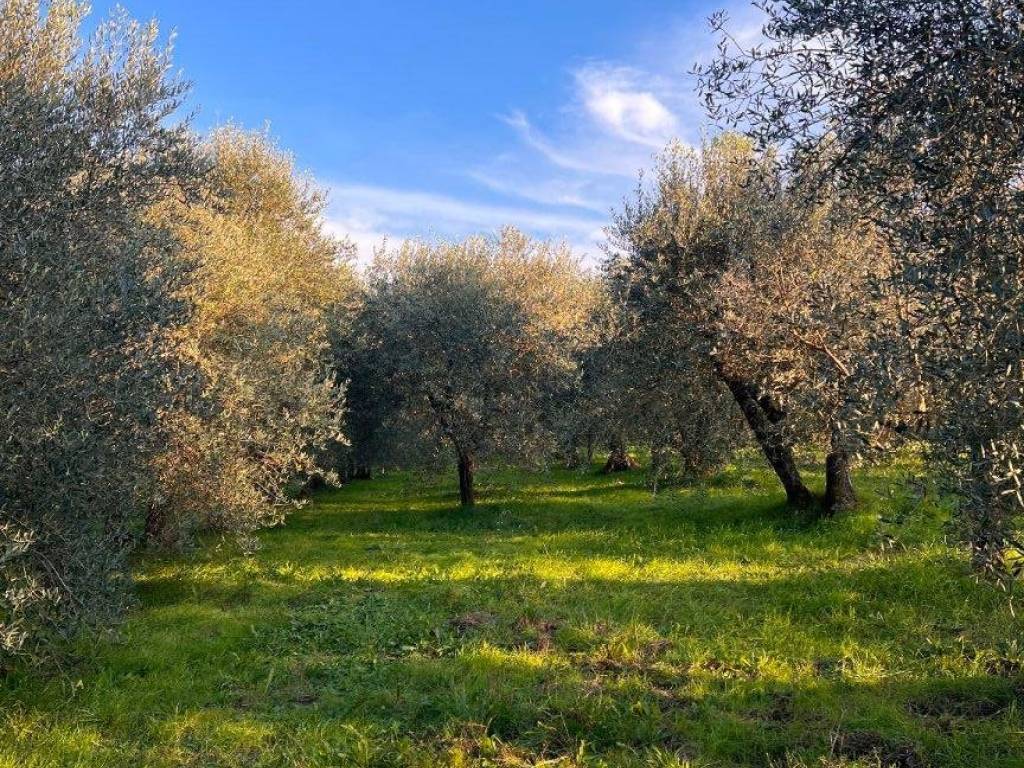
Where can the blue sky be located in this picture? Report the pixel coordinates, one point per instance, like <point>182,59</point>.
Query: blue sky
<point>439,119</point>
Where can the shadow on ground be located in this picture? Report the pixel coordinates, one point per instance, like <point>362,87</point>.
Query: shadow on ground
<point>571,618</point>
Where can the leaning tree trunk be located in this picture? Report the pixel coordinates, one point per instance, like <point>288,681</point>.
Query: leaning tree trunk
<point>839,491</point>
<point>467,494</point>
<point>763,417</point>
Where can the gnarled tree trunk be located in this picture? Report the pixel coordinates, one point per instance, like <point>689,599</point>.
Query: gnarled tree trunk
<point>467,494</point>
<point>763,416</point>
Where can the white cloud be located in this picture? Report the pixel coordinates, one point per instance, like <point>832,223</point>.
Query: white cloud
<point>586,159</point>
<point>380,204</point>
<point>567,168</point>
<point>621,111</point>
<point>616,118</point>
<point>617,99</point>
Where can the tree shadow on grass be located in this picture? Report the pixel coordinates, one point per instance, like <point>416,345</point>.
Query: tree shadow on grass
<point>739,669</point>
<point>551,511</point>
<point>541,697</point>
<point>704,711</point>
<point>882,612</point>
<point>547,623</point>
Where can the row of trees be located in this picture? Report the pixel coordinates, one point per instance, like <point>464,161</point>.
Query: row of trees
<point>724,298</point>
<point>182,346</point>
<point>912,112</point>
<point>164,333</point>
<point>847,269</point>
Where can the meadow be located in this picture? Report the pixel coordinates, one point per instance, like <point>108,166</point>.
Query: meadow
<point>571,619</point>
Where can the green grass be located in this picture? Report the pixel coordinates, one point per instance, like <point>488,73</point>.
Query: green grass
<point>571,619</point>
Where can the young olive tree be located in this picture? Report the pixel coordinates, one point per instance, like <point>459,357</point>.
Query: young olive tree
<point>268,284</point>
<point>917,110</point>
<point>478,340</point>
<point>89,289</point>
<point>759,294</point>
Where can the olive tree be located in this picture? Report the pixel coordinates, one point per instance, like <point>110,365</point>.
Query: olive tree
<point>90,290</point>
<point>756,293</point>
<point>267,285</point>
<point>916,110</point>
<point>478,340</point>
<point>378,435</point>
<point>799,318</point>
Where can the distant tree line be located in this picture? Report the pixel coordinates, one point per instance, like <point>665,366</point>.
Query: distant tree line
<point>183,348</point>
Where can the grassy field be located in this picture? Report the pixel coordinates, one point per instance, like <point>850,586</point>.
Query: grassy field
<point>571,619</point>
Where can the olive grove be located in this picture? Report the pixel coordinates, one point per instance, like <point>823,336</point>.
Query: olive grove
<point>184,348</point>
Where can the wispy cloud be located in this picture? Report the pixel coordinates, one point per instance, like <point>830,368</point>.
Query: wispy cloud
<point>616,115</point>
<point>563,192</point>
<point>561,171</point>
<point>583,159</point>
<point>368,214</point>
<point>615,118</point>
<point>618,112</point>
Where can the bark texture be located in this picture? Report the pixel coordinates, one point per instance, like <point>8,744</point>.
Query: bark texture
<point>839,490</point>
<point>763,416</point>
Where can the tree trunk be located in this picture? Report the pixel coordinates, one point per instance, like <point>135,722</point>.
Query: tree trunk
<point>156,524</point>
<point>839,491</point>
<point>762,418</point>
<point>315,482</point>
<point>467,495</point>
<point>572,455</point>
<point>658,462</point>
<point>619,459</point>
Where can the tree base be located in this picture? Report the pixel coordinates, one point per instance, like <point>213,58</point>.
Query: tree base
<point>619,462</point>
